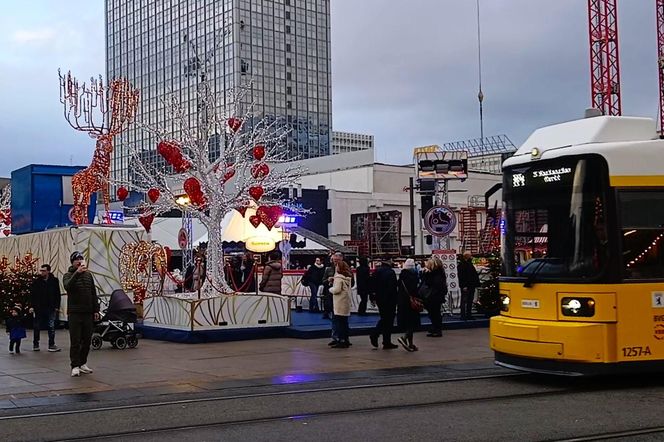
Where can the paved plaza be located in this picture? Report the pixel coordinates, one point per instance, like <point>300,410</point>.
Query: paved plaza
<point>157,366</point>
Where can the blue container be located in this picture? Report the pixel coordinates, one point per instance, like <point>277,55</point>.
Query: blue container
<point>42,198</point>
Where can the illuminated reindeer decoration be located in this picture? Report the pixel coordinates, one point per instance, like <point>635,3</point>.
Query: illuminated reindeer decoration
<point>103,113</point>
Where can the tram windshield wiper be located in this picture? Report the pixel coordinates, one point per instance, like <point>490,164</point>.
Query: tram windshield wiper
<point>548,265</point>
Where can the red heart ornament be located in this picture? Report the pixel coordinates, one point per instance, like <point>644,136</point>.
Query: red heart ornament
<point>255,220</point>
<point>234,123</point>
<point>146,221</point>
<point>170,150</point>
<point>260,171</point>
<point>269,215</point>
<point>259,152</point>
<point>8,232</point>
<point>154,194</point>
<point>256,192</point>
<point>122,193</point>
<point>242,210</point>
<point>192,186</point>
<point>230,173</point>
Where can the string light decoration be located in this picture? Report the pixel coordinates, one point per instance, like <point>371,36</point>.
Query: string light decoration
<point>642,256</point>
<point>6,211</point>
<point>103,113</point>
<point>215,179</point>
<point>138,262</point>
<point>15,281</point>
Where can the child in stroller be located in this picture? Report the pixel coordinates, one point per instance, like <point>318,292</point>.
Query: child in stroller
<point>114,326</point>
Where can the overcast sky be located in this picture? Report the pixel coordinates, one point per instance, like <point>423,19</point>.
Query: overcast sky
<point>406,74</point>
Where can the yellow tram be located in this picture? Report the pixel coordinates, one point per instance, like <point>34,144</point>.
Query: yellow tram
<point>582,284</point>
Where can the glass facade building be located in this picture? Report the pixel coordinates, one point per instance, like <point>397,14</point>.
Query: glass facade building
<point>279,49</point>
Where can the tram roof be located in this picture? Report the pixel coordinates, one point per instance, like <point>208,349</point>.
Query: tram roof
<point>630,145</point>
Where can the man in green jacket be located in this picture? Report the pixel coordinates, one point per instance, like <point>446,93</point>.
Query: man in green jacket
<point>82,310</point>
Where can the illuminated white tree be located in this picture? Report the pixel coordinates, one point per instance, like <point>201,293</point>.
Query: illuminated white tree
<point>222,163</point>
<point>5,210</point>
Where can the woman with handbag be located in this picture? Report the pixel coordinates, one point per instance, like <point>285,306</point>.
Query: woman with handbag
<point>409,305</point>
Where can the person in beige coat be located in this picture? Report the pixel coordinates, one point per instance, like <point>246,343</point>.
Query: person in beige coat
<point>340,291</point>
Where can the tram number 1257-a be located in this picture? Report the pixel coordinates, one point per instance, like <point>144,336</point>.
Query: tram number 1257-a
<point>633,352</point>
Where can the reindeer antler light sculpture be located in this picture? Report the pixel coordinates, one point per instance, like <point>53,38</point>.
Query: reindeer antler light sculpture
<point>102,112</point>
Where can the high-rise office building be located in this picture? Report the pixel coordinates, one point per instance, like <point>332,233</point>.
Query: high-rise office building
<point>281,48</point>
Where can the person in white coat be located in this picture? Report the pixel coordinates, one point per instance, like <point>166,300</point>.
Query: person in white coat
<point>340,291</point>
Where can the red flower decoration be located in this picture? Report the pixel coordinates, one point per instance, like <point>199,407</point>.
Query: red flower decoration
<point>154,194</point>
<point>122,193</point>
<point>259,152</point>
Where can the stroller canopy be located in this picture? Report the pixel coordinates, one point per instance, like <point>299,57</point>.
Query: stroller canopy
<point>120,307</point>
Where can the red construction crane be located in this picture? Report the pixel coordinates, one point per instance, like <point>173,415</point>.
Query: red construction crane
<point>604,62</point>
<point>660,62</point>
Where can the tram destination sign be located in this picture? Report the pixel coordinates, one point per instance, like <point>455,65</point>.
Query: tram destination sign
<point>540,177</point>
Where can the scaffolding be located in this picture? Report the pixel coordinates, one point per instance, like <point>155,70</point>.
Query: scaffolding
<point>384,236</point>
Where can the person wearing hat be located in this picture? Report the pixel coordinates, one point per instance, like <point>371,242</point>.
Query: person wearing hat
<point>82,310</point>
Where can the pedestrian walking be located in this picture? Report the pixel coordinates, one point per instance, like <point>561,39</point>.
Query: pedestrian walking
<point>82,311</point>
<point>384,288</point>
<point>363,285</point>
<point>45,299</point>
<point>432,291</point>
<point>272,275</point>
<point>313,279</point>
<point>15,324</point>
<point>340,291</point>
<point>407,317</point>
<point>469,280</point>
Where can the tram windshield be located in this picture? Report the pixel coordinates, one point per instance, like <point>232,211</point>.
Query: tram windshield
<point>555,219</point>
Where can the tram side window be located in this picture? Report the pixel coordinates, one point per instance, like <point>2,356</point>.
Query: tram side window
<point>642,216</point>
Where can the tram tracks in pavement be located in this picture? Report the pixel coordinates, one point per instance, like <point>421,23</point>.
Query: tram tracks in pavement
<point>613,435</point>
<point>293,407</point>
<point>216,398</point>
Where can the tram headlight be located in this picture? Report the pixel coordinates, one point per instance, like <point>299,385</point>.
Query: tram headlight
<point>580,307</point>
<point>505,303</point>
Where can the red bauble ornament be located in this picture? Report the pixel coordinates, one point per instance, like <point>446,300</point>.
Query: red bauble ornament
<point>260,171</point>
<point>122,193</point>
<point>146,221</point>
<point>234,123</point>
<point>256,192</point>
<point>255,220</point>
<point>242,210</point>
<point>154,194</point>
<point>259,152</point>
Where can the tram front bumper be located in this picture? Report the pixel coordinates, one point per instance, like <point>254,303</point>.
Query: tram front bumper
<point>563,341</point>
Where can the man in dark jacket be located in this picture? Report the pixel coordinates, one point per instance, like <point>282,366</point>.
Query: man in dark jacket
<point>45,301</point>
<point>82,310</point>
<point>363,285</point>
<point>469,280</point>
<point>384,288</point>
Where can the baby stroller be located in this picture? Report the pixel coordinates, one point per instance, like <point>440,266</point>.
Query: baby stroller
<point>114,326</point>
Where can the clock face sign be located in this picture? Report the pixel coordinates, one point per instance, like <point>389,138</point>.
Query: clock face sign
<point>440,221</point>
